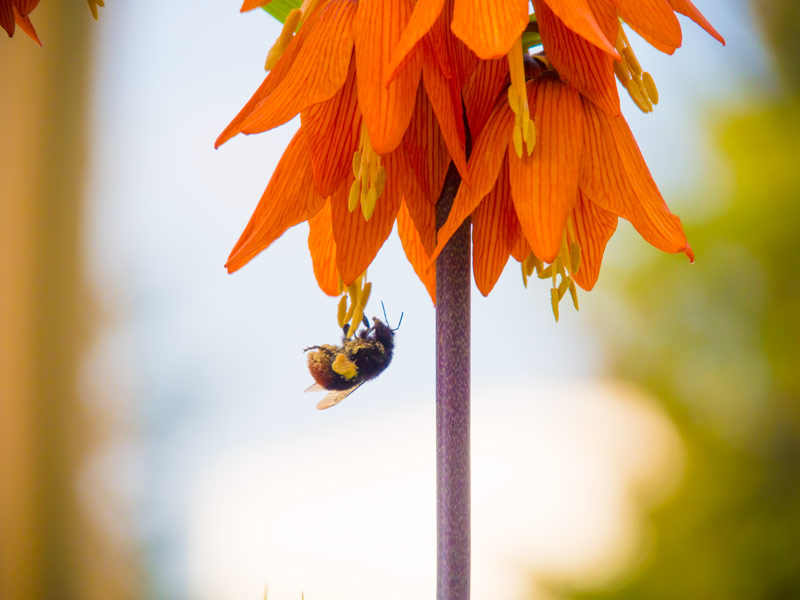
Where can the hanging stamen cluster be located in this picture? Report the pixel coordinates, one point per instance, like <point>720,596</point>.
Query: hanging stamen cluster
<point>293,20</point>
<point>561,271</point>
<point>639,83</point>
<point>358,293</point>
<point>524,129</point>
<point>370,177</point>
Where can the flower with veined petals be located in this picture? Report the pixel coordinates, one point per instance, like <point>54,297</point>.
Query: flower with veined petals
<point>331,73</point>
<point>584,172</point>
<point>15,12</point>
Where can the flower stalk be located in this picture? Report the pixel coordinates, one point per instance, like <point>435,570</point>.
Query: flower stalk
<point>452,403</point>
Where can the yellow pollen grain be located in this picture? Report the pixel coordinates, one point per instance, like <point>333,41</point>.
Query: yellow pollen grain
<point>344,366</point>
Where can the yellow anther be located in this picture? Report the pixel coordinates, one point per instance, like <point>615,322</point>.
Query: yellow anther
<point>342,311</point>
<point>358,294</point>
<point>524,129</point>
<point>560,271</point>
<point>638,82</point>
<point>286,36</point>
<point>370,177</point>
<point>554,302</point>
<point>650,87</point>
<point>344,366</point>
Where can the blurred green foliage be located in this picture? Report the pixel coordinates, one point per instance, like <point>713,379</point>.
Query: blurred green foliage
<point>719,344</point>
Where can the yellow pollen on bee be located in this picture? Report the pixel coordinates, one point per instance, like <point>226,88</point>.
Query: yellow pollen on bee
<point>344,366</point>
<point>560,271</point>
<point>370,177</point>
<point>639,83</point>
<point>358,294</point>
<point>524,129</point>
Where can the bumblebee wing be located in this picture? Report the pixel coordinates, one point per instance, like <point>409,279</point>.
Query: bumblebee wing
<point>333,398</point>
<point>315,387</point>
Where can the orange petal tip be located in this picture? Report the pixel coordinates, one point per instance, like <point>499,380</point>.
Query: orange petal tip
<point>690,253</point>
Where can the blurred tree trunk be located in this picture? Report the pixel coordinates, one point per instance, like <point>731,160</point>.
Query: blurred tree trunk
<point>48,549</point>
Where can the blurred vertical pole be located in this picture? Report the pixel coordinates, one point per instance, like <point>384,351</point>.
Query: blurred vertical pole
<point>46,548</point>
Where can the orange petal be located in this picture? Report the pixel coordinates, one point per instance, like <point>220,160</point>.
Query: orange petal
<point>654,20</point>
<point>332,130</point>
<point>544,185</point>
<point>290,198</point>
<point>357,240</point>
<point>273,79</point>
<point>495,230</point>
<point>577,61</point>
<point>24,7</point>
<point>578,16</point>
<point>445,99</point>
<point>685,7</point>
<point>615,176</point>
<point>426,148</point>
<point>7,20</point>
<point>456,60</point>
<point>421,210</point>
<point>484,166</point>
<point>521,249</point>
<point>482,90</point>
<point>489,28</point>
<point>415,250</point>
<point>592,227</point>
<point>386,110</point>
<point>27,26</point>
<point>251,4</point>
<point>422,18</point>
<point>318,71</point>
<point>323,250</point>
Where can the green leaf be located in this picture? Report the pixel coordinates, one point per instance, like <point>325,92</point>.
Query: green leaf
<point>280,9</point>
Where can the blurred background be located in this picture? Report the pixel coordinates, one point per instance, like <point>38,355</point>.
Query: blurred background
<point>155,440</point>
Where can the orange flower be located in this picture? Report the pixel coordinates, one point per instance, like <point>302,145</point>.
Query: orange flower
<point>584,172</point>
<point>15,12</point>
<point>360,143</point>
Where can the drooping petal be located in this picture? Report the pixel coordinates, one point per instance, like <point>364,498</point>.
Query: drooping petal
<point>272,80</point>
<point>386,110</point>
<point>426,148</point>
<point>521,249</point>
<point>685,7</point>
<point>323,250</point>
<point>251,4</point>
<point>27,26</point>
<point>7,20</point>
<point>615,176</point>
<point>290,198</point>
<point>591,228</point>
<point>482,91</point>
<point>422,18</point>
<point>445,99</point>
<point>495,230</point>
<point>319,69</point>
<point>489,28</point>
<point>488,157</point>
<point>654,20</point>
<point>420,208</point>
<point>357,240</point>
<point>579,62</point>
<point>455,58</point>
<point>24,7</point>
<point>578,16</point>
<point>415,250</point>
<point>544,185</point>
<point>332,131</point>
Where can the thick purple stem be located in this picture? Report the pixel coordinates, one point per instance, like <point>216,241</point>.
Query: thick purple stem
<point>452,403</point>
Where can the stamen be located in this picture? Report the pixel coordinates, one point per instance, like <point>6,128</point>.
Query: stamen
<point>284,39</point>
<point>560,271</point>
<point>524,129</point>
<point>358,293</point>
<point>370,177</point>
<point>639,83</point>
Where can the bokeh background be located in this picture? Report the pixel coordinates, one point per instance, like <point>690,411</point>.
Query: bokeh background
<point>155,440</point>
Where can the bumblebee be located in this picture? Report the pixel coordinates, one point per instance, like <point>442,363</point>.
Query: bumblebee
<point>343,369</point>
